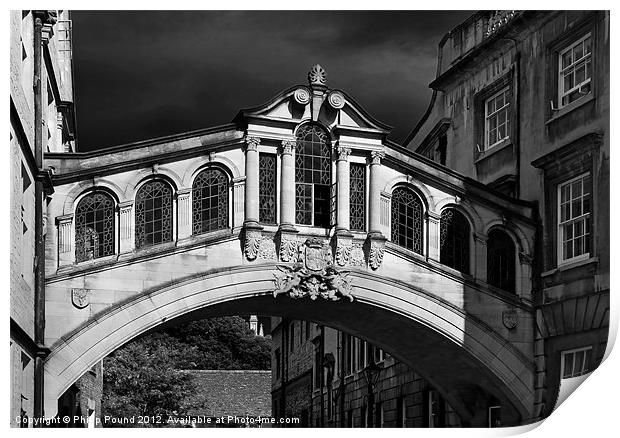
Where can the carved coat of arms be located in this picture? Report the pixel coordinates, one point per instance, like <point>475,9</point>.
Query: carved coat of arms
<point>80,297</point>
<point>313,275</point>
<point>510,318</point>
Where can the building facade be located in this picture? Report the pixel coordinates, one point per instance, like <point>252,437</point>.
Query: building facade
<point>319,377</point>
<point>521,103</point>
<point>42,120</point>
<point>303,208</point>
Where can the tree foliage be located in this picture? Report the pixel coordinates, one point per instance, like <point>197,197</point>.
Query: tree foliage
<point>143,377</point>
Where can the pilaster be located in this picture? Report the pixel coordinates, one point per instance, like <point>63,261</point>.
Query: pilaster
<point>480,257</point>
<point>376,180</point>
<point>184,206</point>
<point>66,237</point>
<point>433,235</point>
<point>126,227</point>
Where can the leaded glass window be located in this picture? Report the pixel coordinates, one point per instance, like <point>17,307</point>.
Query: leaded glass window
<point>407,219</point>
<point>501,260</point>
<point>267,188</point>
<point>454,240</point>
<point>210,201</point>
<point>312,176</point>
<point>153,214</point>
<point>357,202</point>
<point>94,227</point>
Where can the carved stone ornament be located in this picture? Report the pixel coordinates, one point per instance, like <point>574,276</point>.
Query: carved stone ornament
<point>375,255</point>
<point>510,319</point>
<point>313,275</point>
<point>302,96</point>
<point>343,152</point>
<point>287,147</point>
<point>356,257</point>
<point>377,156</point>
<point>252,243</point>
<point>343,254</point>
<point>251,143</point>
<point>80,297</point>
<point>267,249</point>
<point>336,99</point>
<point>497,20</point>
<point>317,76</point>
<point>288,248</point>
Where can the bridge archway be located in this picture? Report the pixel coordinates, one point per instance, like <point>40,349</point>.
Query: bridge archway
<point>455,351</point>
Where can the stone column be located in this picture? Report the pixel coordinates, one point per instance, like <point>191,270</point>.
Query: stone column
<point>433,235</point>
<point>344,189</point>
<point>376,240</point>
<point>251,181</point>
<point>184,206</point>
<point>126,227</point>
<point>287,186</point>
<point>376,180</point>
<point>66,254</point>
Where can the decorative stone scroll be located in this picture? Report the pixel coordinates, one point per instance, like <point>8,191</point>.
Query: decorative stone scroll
<point>302,96</point>
<point>343,254</point>
<point>336,99</point>
<point>288,248</point>
<point>80,297</point>
<point>313,275</point>
<point>252,243</point>
<point>375,253</point>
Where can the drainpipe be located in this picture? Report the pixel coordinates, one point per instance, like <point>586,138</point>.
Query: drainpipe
<point>42,19</point>
<point>342,391</point>
<point>322,354</point>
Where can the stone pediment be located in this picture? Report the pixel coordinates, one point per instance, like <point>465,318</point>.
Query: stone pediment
<point>316,102</point>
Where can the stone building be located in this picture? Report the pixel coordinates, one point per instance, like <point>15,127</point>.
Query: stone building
<point>42,120</point>
<point>318,376</point>
<point>521,103</point>
<point>302,208</point>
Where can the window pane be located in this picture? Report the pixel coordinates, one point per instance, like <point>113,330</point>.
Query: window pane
<point>454,240</point>
<point>153,213</point>
<point>94,227</point>
<point>209,201</point>
<point>407,219</point>
<point>357,203</point>
<point>312,166</point>
<point>267,188</point>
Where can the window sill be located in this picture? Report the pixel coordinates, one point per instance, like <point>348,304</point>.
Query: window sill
<point>570,265</point>
<point>561,112</point>
<point>493,150</point>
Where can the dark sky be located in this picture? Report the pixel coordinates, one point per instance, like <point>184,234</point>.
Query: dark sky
<point>141,75</point>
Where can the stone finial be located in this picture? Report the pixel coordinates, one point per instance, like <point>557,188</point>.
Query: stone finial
<point>317,76</point>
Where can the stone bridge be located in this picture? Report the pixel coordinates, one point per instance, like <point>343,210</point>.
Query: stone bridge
<point>304,196</point>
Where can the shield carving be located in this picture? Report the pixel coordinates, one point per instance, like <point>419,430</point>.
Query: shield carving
<point>80,297</point>
<point>314,255</point>
<point>314,258</point>
<point>510,318</point>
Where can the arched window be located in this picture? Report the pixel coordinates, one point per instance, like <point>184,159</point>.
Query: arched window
<point>209,201</point>
<point>94,227</point>
<point>501,260</point>
<point>454,240</point>
<point>407,219</point>
<point>153,214</point>
<point>312,176</point>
